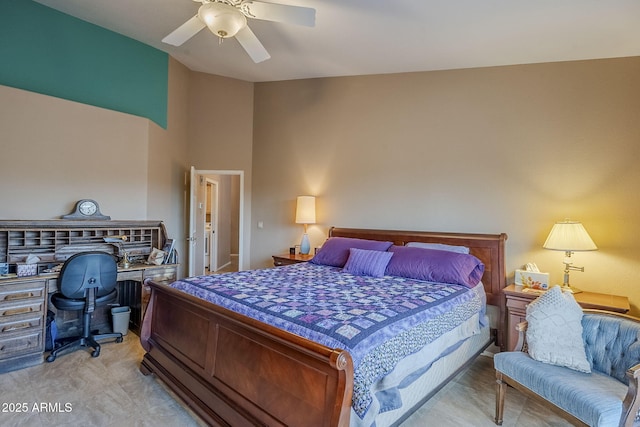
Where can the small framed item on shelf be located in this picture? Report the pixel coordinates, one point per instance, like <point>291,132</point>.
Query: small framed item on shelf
<point>168,249</point>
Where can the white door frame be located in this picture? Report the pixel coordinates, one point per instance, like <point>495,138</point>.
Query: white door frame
<point>213,200</point>
<point>196,228</point>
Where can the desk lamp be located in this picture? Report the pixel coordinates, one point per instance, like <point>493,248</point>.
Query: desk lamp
<point>305,214</point>
<point>569,236</point>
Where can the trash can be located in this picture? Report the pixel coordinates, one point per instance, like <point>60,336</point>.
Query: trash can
<point>120,317</point>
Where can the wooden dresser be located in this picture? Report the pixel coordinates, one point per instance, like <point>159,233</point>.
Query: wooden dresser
<point>24,301</point>
<point>518,297</point>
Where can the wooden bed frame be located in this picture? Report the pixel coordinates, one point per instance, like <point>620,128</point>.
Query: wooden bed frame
<point>234,371</point>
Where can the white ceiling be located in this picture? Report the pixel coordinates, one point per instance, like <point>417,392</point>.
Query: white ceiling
<point>355,37</point>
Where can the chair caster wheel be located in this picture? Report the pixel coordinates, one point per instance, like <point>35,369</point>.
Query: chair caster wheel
<point>51,358</point>
<point>95,353</point>
<point>119,339</point>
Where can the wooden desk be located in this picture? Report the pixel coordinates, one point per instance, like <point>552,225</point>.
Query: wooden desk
<point>24,301</point>
<point>518,297</point>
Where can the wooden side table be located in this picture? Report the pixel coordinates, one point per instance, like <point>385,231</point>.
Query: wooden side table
<point>286,259</point>
<point>518,298</point>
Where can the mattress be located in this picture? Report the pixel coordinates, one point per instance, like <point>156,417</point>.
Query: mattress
<point>380,321</point>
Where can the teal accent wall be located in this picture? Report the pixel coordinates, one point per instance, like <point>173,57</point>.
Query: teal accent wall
<point>46,51</point>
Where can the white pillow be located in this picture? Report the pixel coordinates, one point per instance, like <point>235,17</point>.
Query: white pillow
<point>439,247</point>
<point>554,333</point>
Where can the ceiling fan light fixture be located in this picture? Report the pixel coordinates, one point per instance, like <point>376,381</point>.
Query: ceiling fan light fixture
<point>222,19</point>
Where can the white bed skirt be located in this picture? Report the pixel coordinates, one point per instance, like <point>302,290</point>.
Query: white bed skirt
<point>442,370</point>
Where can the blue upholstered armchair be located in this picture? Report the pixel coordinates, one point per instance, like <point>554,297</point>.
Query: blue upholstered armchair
<point>606,397</point>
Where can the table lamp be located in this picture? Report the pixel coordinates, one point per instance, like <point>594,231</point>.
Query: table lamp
<point>305,214</point>
<point>569,236</point>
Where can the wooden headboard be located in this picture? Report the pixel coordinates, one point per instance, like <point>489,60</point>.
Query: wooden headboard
<point>489,248</point>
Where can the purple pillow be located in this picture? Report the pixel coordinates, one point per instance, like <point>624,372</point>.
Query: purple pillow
<point>435,266</point>
<point>363,262</point>
<point>439,246</point>
<point>335,250</point>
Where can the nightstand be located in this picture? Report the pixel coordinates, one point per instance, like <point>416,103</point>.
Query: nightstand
<point>518,298</point>
<point>286,259</point>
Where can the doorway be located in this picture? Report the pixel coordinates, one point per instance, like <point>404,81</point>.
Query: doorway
<point>211,226</point>
<point>215,221</point>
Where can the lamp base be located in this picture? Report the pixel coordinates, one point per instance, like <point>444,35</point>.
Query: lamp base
<point>570,289</point>
<point>305,245</point>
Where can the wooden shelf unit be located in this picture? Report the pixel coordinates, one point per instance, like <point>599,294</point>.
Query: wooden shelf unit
<point>53,241</point>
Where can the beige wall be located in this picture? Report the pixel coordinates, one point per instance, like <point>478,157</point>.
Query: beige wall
<point>54,152</point>
<point>503,149</point>
<point>221,133</point>
<point>168,162</point>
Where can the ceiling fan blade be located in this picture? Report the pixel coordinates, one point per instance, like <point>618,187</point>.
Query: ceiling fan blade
<point>252,45</point>
<point>280,13</point>
<point>184,32</point>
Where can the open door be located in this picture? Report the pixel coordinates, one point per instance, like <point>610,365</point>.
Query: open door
<point>211,225</point>
<point>192,235</point>
<point>197,218</point>
<point>197,205</point>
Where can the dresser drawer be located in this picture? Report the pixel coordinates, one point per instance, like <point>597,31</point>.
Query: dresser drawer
<point>22,291</point>
<point>52,286</point>
<point>161,274</point>
<point>19,308</point>
<point>20,323</point>
<point>15,344</point>
<point>135,275</point>
<point>519,304</point>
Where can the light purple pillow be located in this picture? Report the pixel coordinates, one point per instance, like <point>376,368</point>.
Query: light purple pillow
<point>363,262</point>
<point>435,266</point>
<point>335,250</point>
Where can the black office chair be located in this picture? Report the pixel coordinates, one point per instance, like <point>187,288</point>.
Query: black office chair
<point>87,280</point>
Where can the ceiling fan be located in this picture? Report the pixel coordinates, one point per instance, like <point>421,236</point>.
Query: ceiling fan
<point>228,18</point>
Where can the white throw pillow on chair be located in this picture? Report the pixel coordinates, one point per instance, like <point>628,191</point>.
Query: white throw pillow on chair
<point>554,331</point>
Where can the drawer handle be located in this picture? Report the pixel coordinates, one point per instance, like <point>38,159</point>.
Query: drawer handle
<point>16,327</point>
<point>18,311</point>
<point>19,296</point>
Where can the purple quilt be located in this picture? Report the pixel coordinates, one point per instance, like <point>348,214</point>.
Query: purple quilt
<point>378,320</point>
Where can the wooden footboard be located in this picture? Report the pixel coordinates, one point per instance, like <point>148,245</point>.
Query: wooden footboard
<point>233,370</point>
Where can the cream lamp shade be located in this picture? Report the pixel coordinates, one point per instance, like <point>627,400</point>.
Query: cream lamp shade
<point>306,210</point>
<point>569,236</point>
<point>305,214</point>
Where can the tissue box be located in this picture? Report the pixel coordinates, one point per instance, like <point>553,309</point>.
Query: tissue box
<point>26,269</point>
<point>530,279</point>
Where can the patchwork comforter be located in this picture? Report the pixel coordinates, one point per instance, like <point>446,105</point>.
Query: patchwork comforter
<point>378,320</point>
